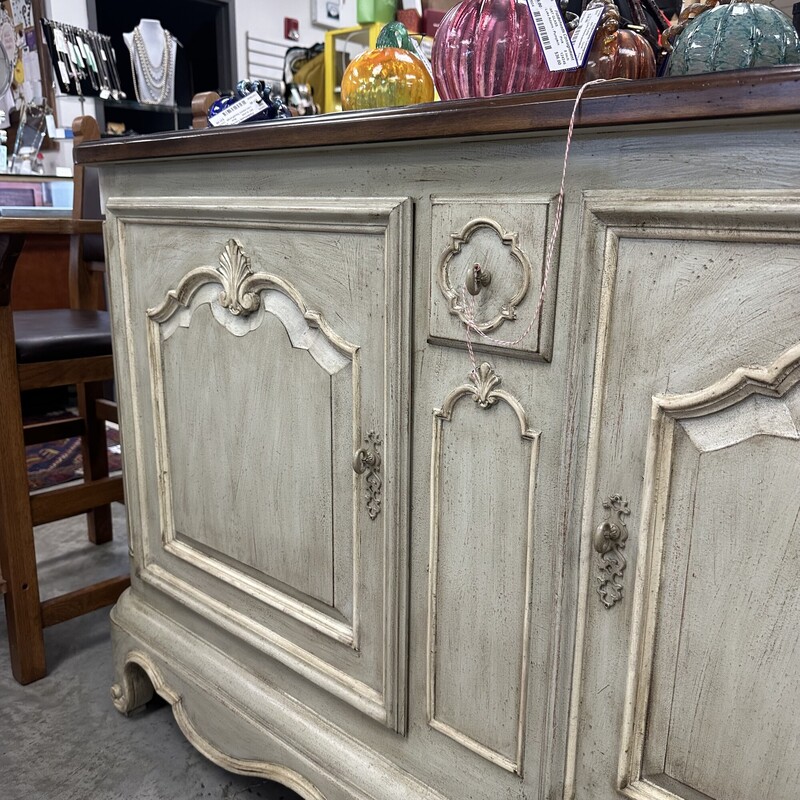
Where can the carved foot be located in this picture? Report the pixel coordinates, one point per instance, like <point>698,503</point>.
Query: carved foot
<point>133,691</point>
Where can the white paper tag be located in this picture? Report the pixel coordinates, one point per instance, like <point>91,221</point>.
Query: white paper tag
<point>241,110</point>
<point>420,54</point>
<point>105,94</point>
<point>583,35</point>
<point>103,54</point>
<point>87,54</point>
<point>64,74</point>
<point>553,35</point>
<point>60,41</point>
<point>50,121</point>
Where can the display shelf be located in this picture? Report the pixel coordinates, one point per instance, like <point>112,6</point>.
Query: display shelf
<point>754,92</point>
<point>15,177</point>
<point>133,105</point>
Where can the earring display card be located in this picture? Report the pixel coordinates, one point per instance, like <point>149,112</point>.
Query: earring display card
<point>84,61</point>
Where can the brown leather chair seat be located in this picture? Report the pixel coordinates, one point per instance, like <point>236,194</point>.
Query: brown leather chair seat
<point>61,333</point>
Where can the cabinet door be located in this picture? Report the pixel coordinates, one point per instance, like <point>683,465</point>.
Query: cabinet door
<point>264,380</point>
<point>687,673</point>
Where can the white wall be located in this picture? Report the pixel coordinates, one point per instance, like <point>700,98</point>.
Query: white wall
<point>264,19</point>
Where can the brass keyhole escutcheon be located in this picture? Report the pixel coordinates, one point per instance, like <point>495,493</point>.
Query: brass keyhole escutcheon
<point>477,277</point>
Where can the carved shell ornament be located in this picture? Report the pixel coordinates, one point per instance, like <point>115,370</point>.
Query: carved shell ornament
<point>234,267</point>
<point>486,380</point>
<point>510,267</point>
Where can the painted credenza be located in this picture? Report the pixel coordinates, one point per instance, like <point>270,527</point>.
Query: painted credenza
<point>363,569</point>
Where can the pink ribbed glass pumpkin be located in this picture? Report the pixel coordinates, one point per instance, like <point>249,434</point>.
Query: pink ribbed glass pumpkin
<point>489,47</point>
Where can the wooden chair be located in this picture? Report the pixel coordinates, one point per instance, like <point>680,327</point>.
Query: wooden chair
<point>40,349</point>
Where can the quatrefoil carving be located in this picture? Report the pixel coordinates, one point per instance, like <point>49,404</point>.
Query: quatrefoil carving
<point>485,242</point>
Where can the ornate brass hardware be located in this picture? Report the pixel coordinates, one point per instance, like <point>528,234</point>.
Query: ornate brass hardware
<point>609,541</point>
<point>476,278</point>
<point>368,460</point>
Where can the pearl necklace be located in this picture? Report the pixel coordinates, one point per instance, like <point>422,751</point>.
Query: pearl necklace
<point>157,78</point>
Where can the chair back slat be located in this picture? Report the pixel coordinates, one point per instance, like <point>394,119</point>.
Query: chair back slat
<point>85,282</point>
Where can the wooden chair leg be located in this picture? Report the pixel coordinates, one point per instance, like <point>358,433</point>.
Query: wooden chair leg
<point>17,550</point>
<point>95,458</point>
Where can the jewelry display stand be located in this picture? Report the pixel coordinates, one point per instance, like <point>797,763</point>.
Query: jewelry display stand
<point>152,50</point>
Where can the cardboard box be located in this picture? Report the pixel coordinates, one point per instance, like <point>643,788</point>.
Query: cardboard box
<point>431,21</point>
<point>438,5</point>
<point>411,19</point>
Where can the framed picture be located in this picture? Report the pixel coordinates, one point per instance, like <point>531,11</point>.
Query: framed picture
<point>325,13</point>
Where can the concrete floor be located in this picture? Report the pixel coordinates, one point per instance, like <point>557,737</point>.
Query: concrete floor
<point>61,738</point>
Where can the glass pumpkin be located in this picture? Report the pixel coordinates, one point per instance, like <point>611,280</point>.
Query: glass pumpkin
<point>385,77</point>
<point>614,53</point>
<point>489,47</point>
<point>735,36</point>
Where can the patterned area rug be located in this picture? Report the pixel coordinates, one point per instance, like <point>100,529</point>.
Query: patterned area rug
<point>57,462</point>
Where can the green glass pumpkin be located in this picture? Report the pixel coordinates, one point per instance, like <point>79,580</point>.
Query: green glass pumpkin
<point>735,36</point>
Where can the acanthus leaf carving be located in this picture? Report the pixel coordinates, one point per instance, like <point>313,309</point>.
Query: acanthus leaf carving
<point>234,267</point>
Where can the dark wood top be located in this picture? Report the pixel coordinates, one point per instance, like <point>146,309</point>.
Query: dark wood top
<point>715,95</point>
<point>58,226</point>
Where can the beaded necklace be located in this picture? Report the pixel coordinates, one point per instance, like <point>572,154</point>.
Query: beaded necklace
<point>157,78</point>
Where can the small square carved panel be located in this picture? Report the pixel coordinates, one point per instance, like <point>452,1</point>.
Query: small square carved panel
<point>487,265</point>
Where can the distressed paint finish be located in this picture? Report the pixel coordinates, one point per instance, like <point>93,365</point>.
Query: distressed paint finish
<point>694,418</point>
<point>478,653</point>
<point>506,237</point>
<point>255,506</point>
<point>539,691</point>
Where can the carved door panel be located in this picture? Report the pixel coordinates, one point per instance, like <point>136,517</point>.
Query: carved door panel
<point>267,359</point>
<point>687,670</point>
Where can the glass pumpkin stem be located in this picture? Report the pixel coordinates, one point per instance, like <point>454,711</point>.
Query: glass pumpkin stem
<point>686,16</point>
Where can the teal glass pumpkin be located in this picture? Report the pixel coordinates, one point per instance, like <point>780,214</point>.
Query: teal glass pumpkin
<point>735,36</point>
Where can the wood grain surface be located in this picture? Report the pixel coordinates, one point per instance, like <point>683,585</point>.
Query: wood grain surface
<point>737,93</point>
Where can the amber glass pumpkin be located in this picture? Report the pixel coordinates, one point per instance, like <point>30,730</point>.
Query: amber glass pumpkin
<point>614,53</point>
<point>385,77</point>
<point>489,47</point>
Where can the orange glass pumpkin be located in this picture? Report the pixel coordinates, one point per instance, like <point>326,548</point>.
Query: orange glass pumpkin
<point>386,77</point>
<point>614,53</point>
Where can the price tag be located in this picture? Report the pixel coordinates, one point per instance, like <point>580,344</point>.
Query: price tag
<point>105,94</point>
<point>553,35</point>
<point>51,125</point>
<point>87,53</point>
<point>103,54</point>
<point>241,110</point>
<point>583,35</point>
<point>60,41</point>
<point>420,54</point>
<point>64,74</point>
